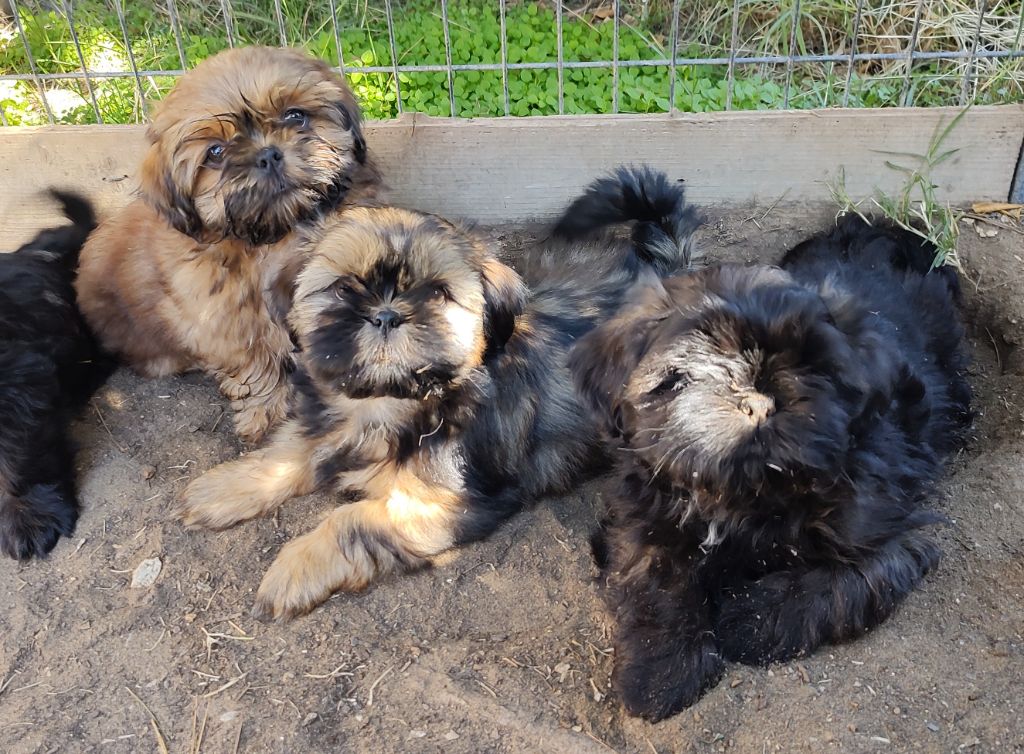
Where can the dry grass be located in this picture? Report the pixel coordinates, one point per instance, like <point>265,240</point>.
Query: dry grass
<point>826,27</point>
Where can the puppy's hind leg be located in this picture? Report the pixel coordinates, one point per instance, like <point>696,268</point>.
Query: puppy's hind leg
<point>254,485</point>
<point>790,613</point>
<point>358,543</point>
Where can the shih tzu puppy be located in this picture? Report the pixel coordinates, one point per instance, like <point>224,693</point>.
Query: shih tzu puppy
<point>780,433</point>
<point>51,366</point>
<point>248,148</point>
<point>432,392</point>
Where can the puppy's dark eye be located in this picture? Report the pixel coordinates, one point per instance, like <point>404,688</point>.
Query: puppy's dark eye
<point>439,293</point>
<point>215,154</point>
<point>342,290</point>
<point>671,381</point>
<point>296,117</point>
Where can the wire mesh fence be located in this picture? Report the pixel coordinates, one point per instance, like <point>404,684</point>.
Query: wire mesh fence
<point>100,61</point>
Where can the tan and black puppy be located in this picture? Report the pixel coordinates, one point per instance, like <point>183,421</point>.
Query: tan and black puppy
<point>252,145</point>
<point>432,387</point>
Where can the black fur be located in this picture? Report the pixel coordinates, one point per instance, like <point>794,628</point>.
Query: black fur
<point>179,208</point>
<point>663,223</point>
<point>352,121</point>
<point>51,366</point>
<point>527,435</point>
<point>781,434</point>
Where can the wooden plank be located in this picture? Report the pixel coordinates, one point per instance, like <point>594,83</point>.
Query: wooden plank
<point>1017,185</point>
<point>517,169</point>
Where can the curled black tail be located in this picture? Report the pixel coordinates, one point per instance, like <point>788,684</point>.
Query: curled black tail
<point>66,241</point>
<point>76,209</point>
<point>665,223</point>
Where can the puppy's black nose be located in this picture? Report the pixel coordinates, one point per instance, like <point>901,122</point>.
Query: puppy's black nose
<point>387,319</point>
<point>269,158</point>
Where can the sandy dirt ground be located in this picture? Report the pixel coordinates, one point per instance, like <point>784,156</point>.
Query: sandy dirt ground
<point>504,646</point>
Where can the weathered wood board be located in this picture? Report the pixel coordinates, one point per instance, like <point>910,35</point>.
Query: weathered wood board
<point>516,169</point>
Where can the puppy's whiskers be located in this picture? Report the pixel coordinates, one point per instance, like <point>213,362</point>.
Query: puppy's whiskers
<point>661,428</point>
<point>641,449</point>
<point>675,458</point>
<point>713,537</point>
<point>431,434</point>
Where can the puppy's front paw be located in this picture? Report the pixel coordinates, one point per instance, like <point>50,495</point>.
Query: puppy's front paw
<point>657,678</point>
<point>252,420</point>
<point>304,575</point>
<point>769,621</point>
<point>256,415</point>
<point>213,501</point>
<point>233,389</point>
<point>31,525</point>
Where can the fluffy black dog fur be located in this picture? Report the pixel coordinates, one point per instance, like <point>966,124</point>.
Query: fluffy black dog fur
<point>533,437</point>
<point>50,366</point>
<point>781,432</point>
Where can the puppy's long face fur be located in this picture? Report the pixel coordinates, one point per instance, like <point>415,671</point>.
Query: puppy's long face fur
<point>401,304</point>
<point>251,143</point>
<point>726,380</point>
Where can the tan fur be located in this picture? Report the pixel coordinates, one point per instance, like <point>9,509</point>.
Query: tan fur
<point>166,283</point>
<point>351,245</point>
<point>260,482</point>
<point>404,512</point>
<point>407,511</point>
<point>254,485</point>
<point>357,544</point>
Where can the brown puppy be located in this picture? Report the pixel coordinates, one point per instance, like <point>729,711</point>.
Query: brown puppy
<point>248,148</point>
<point>432,391</point>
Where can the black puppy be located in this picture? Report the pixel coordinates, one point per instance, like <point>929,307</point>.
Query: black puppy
<point>50,366</point>
<point>781,432</point>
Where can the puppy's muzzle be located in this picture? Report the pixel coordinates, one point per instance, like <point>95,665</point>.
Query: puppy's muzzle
<point>386,320</point>
<point>758,407</point>
<point>270,160</point>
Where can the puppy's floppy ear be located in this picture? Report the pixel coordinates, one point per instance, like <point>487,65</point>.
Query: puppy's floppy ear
<point>347,106</point>
<point>162,179</point>
<point>603,360</point>
<point>504,300</point>
<point>352,120</point>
